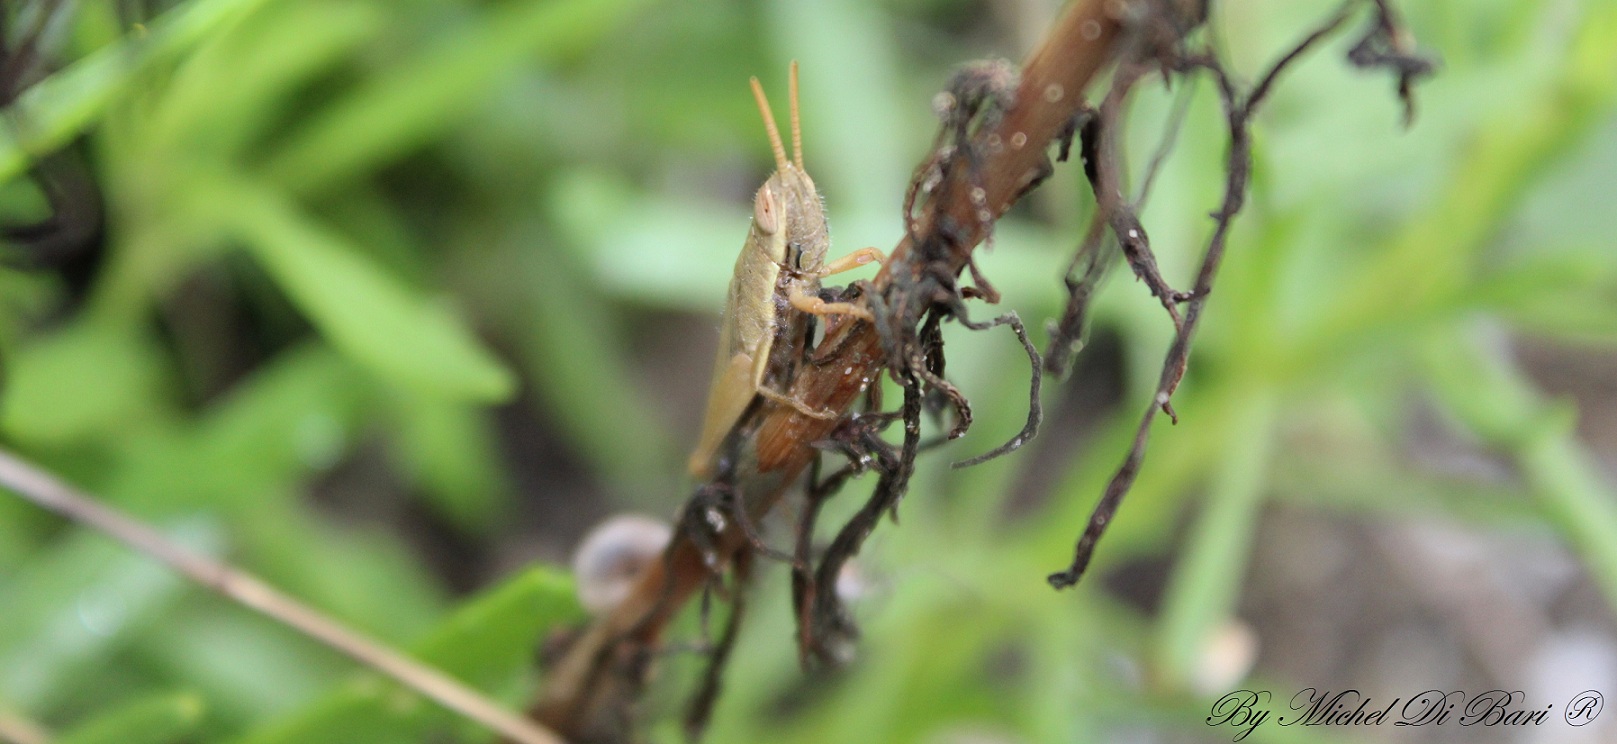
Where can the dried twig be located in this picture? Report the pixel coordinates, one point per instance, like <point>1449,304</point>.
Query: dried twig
<point>587,695</point>
<point>998,124</point>
<point>49,493</point>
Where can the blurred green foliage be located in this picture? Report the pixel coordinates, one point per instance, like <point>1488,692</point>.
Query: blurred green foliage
<point>338,227</point>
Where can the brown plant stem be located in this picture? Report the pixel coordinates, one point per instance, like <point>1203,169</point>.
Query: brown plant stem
<point>587,693</point>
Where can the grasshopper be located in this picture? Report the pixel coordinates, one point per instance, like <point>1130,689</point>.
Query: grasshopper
<point>776,282</point>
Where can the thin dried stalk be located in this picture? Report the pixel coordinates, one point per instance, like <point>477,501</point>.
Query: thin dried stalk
<point>43,489</point>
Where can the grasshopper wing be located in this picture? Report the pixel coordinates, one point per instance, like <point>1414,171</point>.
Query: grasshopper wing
<point>729,395</point>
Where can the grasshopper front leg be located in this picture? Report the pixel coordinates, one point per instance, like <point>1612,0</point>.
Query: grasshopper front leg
<point>852,261</point>
<point>808,303</point>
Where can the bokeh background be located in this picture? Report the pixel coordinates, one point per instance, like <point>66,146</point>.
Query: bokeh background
<point>388,301</point>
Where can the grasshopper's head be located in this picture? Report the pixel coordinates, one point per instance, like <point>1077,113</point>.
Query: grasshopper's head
<point>787,214</point>
<point>788,218</point>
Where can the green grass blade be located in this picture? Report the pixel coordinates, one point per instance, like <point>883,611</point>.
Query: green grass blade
<point>88,379</point>
<point>363,311</point>
<point>60,107</point>
<point>414,102</point>
<point>1206,582</point>
<point>157,720</point>
<point>487,644</point>
<point>1499,404</point>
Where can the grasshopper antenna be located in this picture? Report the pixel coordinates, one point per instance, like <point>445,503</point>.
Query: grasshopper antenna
<point>769,123</point>
<point>797,127</point>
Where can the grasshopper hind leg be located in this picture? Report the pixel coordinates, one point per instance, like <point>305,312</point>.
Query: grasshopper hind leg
<point>732,392</point>
<point>797,405</point>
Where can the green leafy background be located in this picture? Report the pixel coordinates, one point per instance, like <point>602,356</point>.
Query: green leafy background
<point>399,296</point>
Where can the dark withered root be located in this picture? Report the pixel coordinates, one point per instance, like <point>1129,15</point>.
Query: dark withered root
<point>1385,45</point>
<point>827,629</point>
<point>974,100</point>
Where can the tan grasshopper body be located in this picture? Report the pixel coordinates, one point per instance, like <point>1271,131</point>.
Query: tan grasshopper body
<point>776,280</point>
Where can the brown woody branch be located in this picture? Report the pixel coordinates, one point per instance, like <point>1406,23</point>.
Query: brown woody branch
<point>588,693</point>
<point>990,152</point>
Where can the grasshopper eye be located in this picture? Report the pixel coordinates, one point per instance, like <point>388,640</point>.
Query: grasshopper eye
<point>764,213</point>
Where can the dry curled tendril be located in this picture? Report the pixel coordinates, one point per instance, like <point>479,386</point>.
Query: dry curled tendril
<point>1117,228</point>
